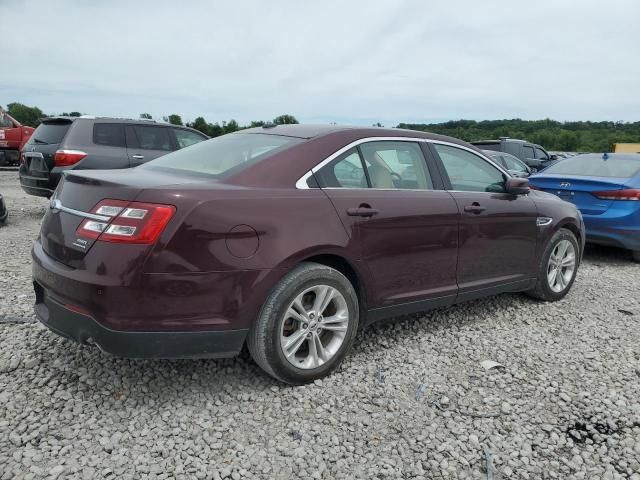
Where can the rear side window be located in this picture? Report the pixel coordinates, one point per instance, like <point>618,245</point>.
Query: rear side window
<point>110,134</point>
<point>48,133</point>
<point>346,171</point>
<point>185,138</point>
<point>597,166</point>
<point>387,165</point>
<point>225,155</point>
<point>150,138</point>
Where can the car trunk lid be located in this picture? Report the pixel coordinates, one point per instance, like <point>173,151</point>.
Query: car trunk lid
<point>77,195</point>
<point>580,191</point>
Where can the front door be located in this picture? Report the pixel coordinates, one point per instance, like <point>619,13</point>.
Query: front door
<point>406,231</point>
<point>498,230</point>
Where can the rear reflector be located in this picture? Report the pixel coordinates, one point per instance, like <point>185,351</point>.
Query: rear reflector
<point>627,194</point>
<point>65,158</point>
<point>130,222</point>
<point>533,187</point>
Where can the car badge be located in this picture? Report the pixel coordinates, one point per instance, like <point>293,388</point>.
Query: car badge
<point>33,148</point>
<point>55,205</point>
<point>565,184</point>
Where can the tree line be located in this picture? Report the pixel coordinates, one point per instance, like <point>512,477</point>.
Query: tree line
<point>32,116</point>
<point>582,136</point>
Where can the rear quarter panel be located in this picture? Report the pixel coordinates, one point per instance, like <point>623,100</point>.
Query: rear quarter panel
<point>218,230</point>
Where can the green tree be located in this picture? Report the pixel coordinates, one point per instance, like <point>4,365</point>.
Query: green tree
<point>285,120</point>
<point>201,125</point>
<point>174,119</point>
<point>146,116</point>
<point>26,115</point>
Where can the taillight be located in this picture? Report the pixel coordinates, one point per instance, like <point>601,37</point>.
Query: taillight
<point>64,158</point>
<point>127,222</point>
<point>533,187</point>
<point>626,194</point>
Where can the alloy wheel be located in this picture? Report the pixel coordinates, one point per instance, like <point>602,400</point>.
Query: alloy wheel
<point>314,326</point>
<point>562,265</point>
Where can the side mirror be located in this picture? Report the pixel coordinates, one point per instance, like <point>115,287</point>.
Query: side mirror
<point>553,157</point>
<point>517,186</point>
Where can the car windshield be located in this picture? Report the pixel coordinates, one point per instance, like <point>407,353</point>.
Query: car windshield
<point>597,165</point>
<point>513,163</point>
<point>224,155</point>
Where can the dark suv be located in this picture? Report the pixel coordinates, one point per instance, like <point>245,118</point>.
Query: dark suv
<point>532,154</point>
<point>90,143</point>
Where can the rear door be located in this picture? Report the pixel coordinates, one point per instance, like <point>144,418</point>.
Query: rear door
<point>146,142</point>
<point>498,230</point>
<point>404,227</point>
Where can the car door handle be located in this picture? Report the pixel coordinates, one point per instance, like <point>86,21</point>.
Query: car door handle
<point>475,207</point>
<point>137,157</point>
<point>362,211</point>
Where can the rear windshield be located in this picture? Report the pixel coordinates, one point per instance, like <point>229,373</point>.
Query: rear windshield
<point>224,155</point>
<point>596,165</point>
<point>47,133</point>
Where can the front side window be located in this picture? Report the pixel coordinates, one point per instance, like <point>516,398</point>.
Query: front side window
<point>186,138</point>
<point>540,154</point>
<point>110,134</point>
<point>468,172</point>
<point>225,155</point>
<point>153,138</point>
<point>527,151</point>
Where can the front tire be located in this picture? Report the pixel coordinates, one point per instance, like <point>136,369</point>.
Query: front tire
<point>635,254</point>
<point>307,325</point>
<point>558,267</point>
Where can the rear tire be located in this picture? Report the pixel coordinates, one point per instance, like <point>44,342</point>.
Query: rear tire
<point>558,267</point>
<point>307,325</point>
<point>635,255</point>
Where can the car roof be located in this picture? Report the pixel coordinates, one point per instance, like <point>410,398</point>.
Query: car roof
<point>495,142</point>
<point>111,120</point>
<point>313,131</point>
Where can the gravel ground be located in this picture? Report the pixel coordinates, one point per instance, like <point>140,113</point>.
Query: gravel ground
<point>411,401</point>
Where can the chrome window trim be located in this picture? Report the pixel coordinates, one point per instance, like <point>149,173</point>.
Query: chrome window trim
<point>301,184</point>
<point>78,213</point>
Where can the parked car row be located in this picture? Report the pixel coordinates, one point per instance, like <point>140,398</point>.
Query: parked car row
<point>60,144</point>
<point>535,156</point>
<point>289,239</point>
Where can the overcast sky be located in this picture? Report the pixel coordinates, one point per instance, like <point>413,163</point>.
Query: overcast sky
<point>323,61</point>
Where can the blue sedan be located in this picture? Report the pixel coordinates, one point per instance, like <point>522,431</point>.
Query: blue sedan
<point>606,189</point>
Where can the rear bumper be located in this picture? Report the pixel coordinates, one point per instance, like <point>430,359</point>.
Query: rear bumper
<point>38,186</point>
<point>617,227</point>
<point>86,330</point>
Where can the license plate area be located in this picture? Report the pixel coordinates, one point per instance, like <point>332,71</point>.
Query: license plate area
<point>35,163</point>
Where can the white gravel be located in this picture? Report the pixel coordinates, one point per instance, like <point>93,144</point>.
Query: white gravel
<point>411,401</point>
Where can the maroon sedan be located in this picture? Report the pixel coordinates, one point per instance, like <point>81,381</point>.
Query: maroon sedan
<point>290,238</point>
